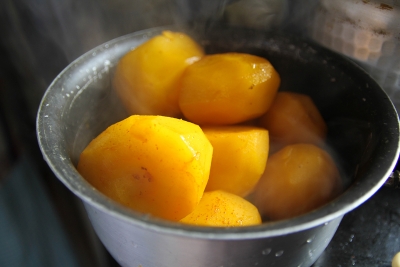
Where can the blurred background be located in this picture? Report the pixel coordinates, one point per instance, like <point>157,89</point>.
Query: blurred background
<point>41,222</point>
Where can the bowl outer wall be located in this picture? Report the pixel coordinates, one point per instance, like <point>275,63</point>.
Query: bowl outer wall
<point>135,246</point>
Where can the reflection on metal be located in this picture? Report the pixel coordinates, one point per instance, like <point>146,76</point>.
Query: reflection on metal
<point>393,180</point>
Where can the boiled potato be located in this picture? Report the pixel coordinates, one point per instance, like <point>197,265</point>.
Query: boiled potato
<point>151,164</point>
<point>147,77</point>
<point>222,209</point>
<point>297,179</point>
<point>239,157</point>
<point>293,118</point>
<point>227,88</point>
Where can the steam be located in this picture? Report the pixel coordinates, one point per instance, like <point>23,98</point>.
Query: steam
<point>42,38</point>
<point>75,27</point>
<point>281,15</point>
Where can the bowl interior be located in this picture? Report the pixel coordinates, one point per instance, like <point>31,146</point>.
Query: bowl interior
<point>362,123</point>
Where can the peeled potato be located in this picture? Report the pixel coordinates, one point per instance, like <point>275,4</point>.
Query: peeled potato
<point>151,164</point>
<point>297,179</point>
<point>147,77</point>
<point>294,118</point>
<point>227,88</point>
<point>239,157</point>
<point>219,208</point>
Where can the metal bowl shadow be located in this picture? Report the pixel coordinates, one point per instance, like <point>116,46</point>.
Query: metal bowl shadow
<point>363,135</point>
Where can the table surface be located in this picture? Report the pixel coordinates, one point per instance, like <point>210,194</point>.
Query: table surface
<point>367,236</point>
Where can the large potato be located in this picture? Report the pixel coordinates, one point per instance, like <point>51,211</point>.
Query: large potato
<point>147,77</point>
<point>297,179</point>
<point>227,88</point>
<point>223,209</point>
<point>294,118</point>
<point>152,164</point>
<point>239,157</point>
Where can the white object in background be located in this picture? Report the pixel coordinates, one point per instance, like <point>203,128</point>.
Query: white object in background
<point>367,31</point>
<point>257,14</point>
<point>396,260</point>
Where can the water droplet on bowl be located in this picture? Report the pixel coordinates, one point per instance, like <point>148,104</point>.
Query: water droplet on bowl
<point>266,251</point>
<point>279,253</point>
<point>351,238</point>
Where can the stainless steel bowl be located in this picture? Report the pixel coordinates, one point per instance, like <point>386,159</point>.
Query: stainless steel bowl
<point>363,134</point>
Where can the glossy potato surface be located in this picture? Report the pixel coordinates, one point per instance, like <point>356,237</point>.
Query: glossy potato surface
<point>239,157</point>
<point>222,209</point>
<point>151,164</point>
<point>294,118</point>
<point>227,88</point>
<point>147,77</point>
<point>297,179</point>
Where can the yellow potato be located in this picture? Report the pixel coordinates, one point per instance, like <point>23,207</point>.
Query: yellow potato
<point>297,179</point>
<point>293,118</point>
<point>219,208</point>
<point>227,88</point>
<point>151,164</point>
<point>239,157</point>
<point>147,77</point>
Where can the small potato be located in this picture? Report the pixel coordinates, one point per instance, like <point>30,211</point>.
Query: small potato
<point>219,208</point>
<point>147,77</point>
<point>297,179</point>
<point>227,88</point>
<point>239,157</point>
<point>151,164</point>
<point>293,118</point>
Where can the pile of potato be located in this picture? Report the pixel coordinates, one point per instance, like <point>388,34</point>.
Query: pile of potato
<point>210,140</point>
